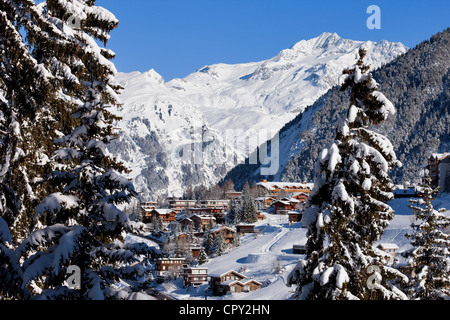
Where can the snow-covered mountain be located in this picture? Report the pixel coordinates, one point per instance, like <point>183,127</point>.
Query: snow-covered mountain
<point>194,130</point>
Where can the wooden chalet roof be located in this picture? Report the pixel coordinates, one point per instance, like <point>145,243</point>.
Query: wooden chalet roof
<point>217,229</point>
<point>162,212</point>
<point>285,185</point>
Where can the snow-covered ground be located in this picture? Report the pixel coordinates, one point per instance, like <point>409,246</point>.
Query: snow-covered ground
<point>260,256</point>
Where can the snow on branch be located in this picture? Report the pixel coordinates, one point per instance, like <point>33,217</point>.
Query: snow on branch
<point>55,202</point>
<point>42,237</point>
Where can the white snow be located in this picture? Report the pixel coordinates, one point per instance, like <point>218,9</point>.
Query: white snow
<point>367,184</point>
<point>352,113</point>
<point>335,157</point>
<point>54,202</point>
<point>241,98</point>
<point>388,107</point>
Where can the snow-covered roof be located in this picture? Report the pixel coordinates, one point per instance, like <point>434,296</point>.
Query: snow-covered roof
<point>221,228</point>
<point>287,201</point>
<point>219,275</point>
<point>203,217</point>
<point>299,193</point>
<point>440,156</point>
<point>282,201</point>
<point>246,281</point>
<point>162,211</point>
<point>242,282</point>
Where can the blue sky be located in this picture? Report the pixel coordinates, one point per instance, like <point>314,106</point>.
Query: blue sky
<point>177,37</point>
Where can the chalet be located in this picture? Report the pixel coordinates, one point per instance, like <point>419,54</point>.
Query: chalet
<point>295,216</point>
<point>181,205</point>
<point>438,167</point>
<point>166,215</point>
<point>300,196</point>
<point>233,195</point>
<point>203,222</point>
<point>195,250</point>
<point>245,228</point>
<point>228,234</point>
<point>215,204</point>
<point>264,202</point>
<point>275,188</point>
<point>194,276</point>
<point>232,281</point>
<point>284,205</point>
<point>168,267</point>
<point>390,248</point>
<point>186,223</point>
<point>220,217</point>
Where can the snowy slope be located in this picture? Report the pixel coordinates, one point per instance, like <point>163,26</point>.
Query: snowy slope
<point>220,103</point>
<point>259,256</point>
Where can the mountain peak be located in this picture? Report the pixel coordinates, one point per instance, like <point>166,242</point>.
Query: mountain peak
<point>327,35</point>
<point>326,40</point>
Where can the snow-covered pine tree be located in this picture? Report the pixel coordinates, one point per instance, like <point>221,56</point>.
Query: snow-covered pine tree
<point>232,213</point>
<point>26,91</point>
<point>347,210</point>
<point>11,274</point>
<point>208,240</point>
<point>157,225</point>
<point>237,240</point>
<point>83,227</point>
<point>250,214</point>
<point>429,258</point>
